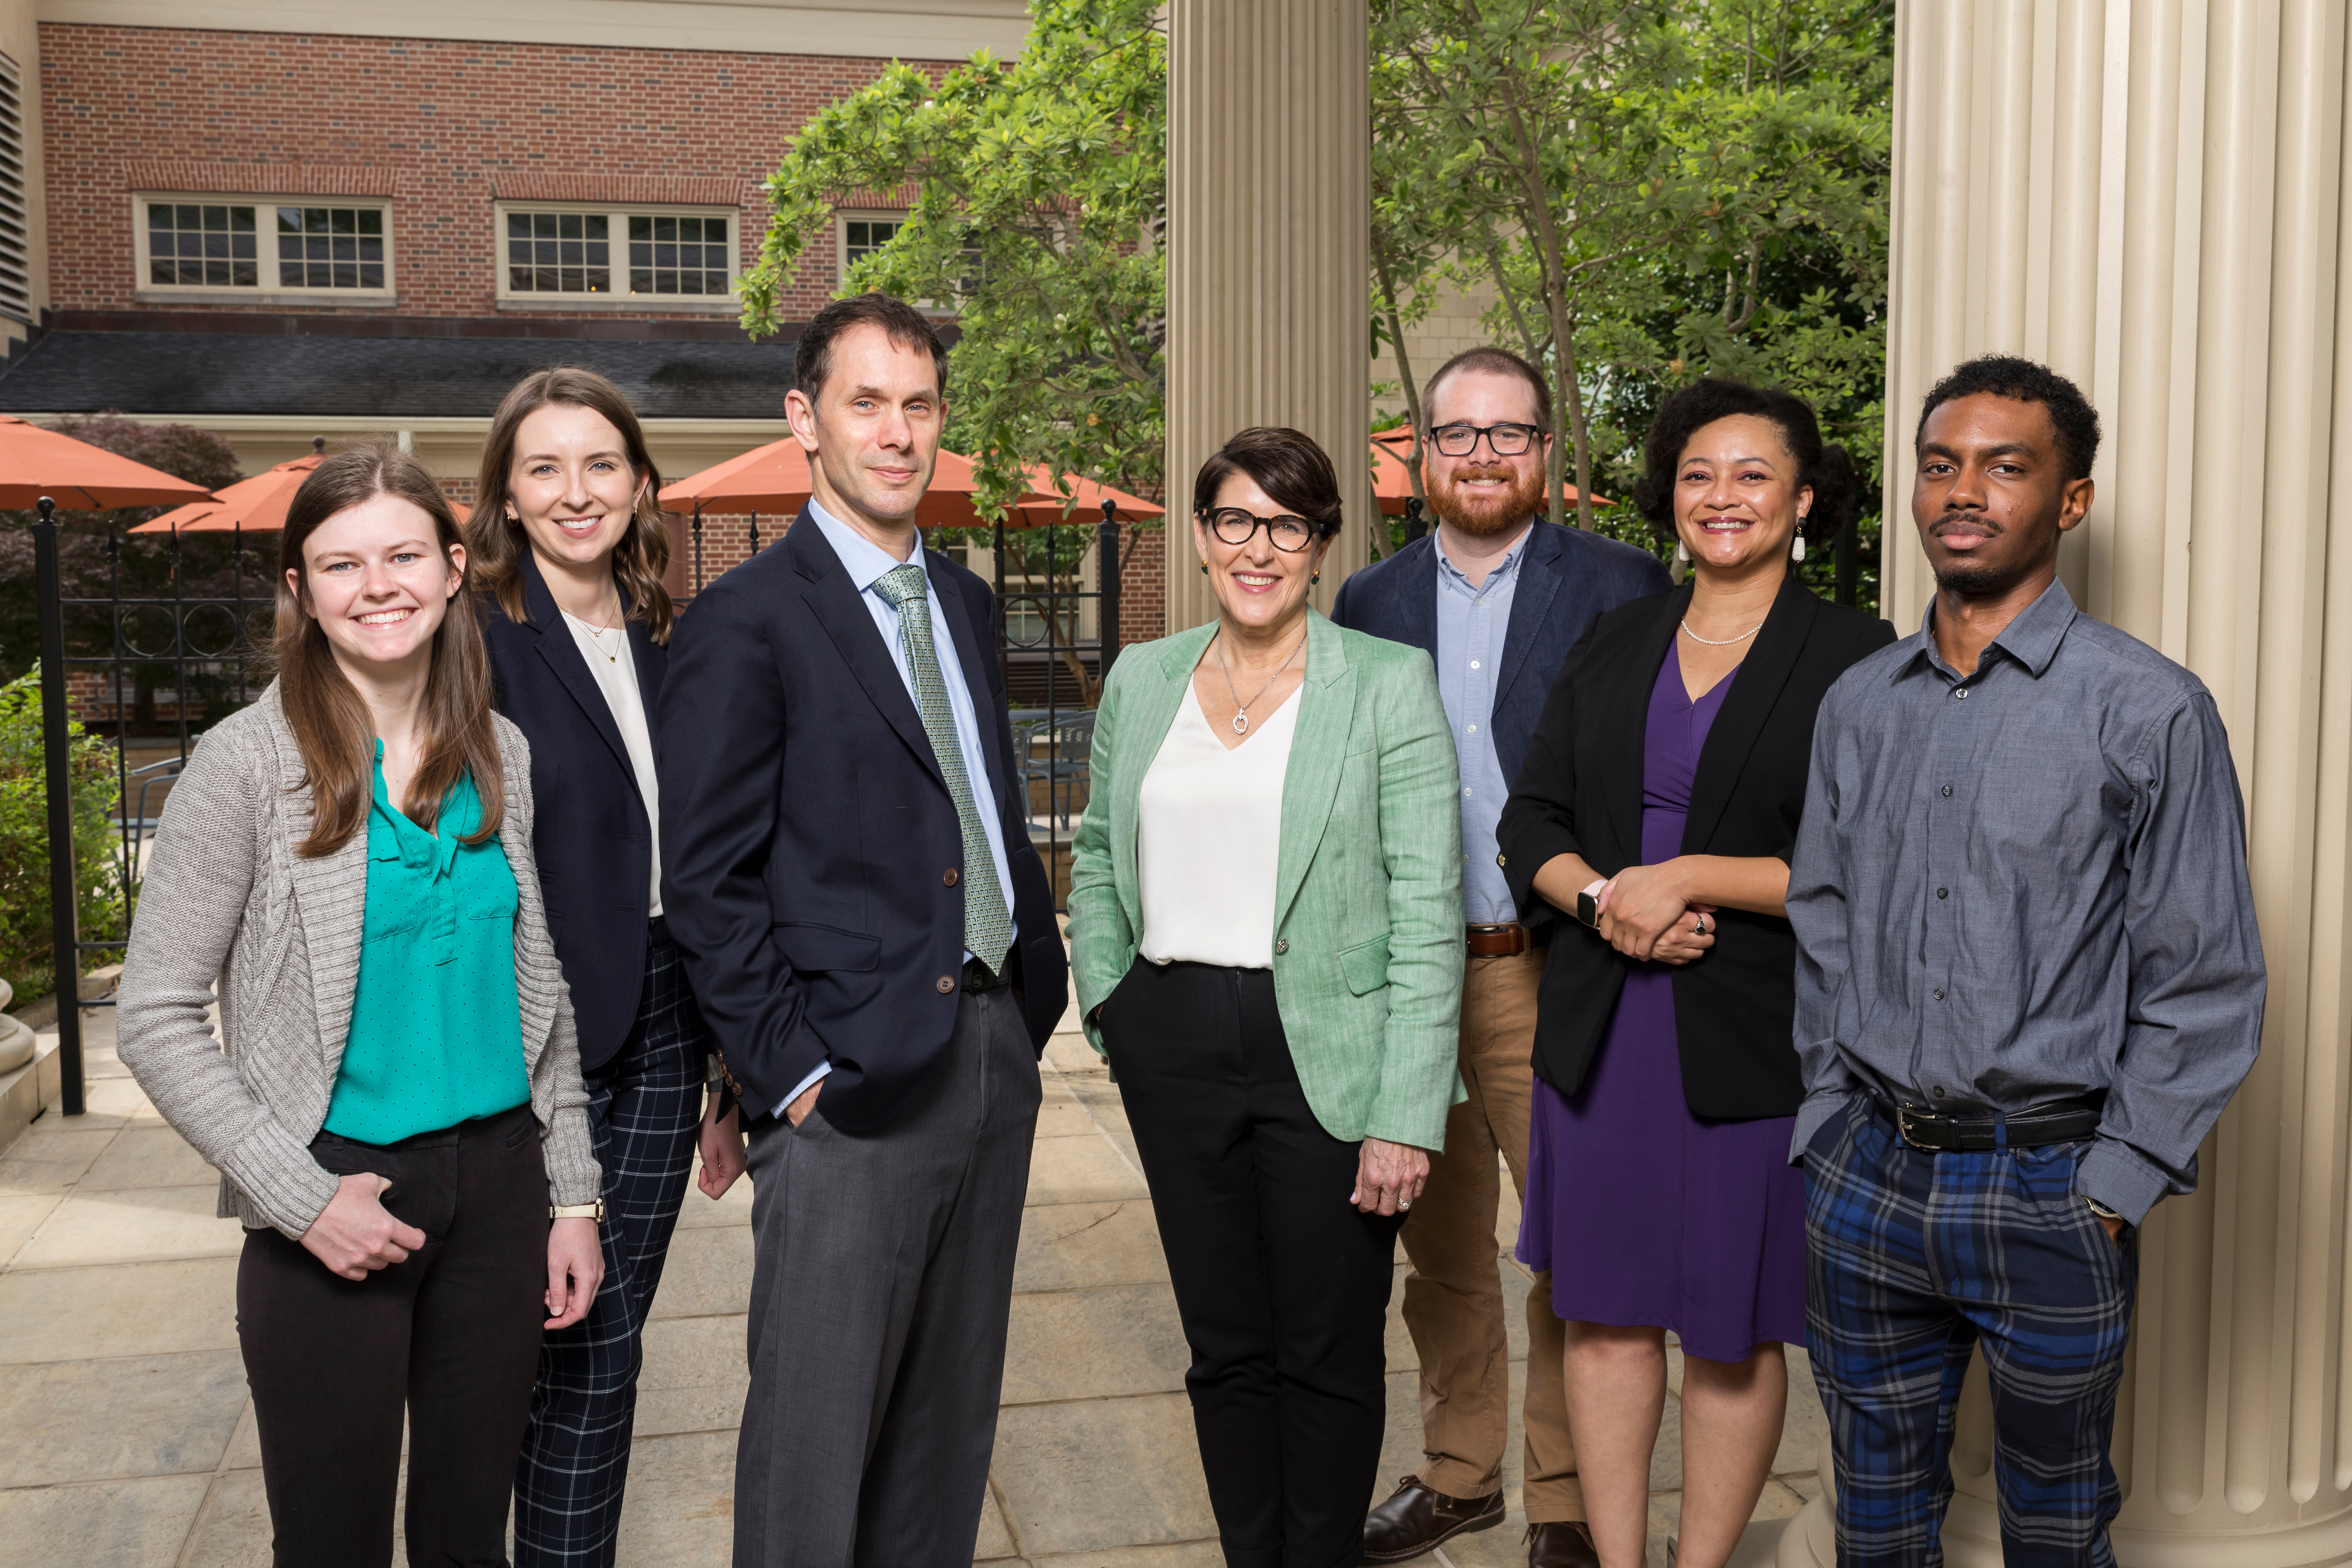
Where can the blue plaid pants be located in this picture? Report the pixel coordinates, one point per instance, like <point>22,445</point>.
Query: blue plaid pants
<point>643,1108</point>
<point>1915,1259</point>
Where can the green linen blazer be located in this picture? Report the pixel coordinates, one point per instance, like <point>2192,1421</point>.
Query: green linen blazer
<point>1368,887</point>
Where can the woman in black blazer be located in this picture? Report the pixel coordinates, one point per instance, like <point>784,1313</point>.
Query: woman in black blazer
<point>569,541</point>
<point>1657,807</point>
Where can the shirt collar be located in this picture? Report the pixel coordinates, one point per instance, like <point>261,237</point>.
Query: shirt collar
<point>2032,638</point>
<point>864,560</point>
<point>1505,568</point>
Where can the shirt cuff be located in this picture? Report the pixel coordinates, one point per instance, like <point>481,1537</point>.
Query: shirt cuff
<point>801,1088</point>
<point>2115,1175</point>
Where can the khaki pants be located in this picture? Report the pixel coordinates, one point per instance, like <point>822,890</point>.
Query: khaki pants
<point>1454,1297</point>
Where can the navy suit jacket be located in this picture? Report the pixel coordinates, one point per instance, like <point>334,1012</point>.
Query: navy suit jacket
<point>811,854</point>
<point>1566,577</point>
<point>590,833</point>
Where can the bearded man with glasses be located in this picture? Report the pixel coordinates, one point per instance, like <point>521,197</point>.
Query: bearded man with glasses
<point>1497,597</point>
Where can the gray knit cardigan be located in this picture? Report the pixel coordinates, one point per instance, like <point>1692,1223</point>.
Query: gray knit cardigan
<point>226,898</point>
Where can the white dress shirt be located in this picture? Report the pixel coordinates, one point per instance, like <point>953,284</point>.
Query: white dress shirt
<point>866,561</point>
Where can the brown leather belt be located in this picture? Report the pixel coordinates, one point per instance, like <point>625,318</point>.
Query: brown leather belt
<point>1505,940</point>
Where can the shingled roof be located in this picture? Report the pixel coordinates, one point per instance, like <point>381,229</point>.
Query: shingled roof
<point>70,371</point>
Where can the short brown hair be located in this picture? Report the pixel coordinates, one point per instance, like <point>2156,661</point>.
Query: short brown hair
<point>330,724</point>
<point>1286,465</point>
<point>908,327</point>
<point>1491,361</point>
<point>497,541</point>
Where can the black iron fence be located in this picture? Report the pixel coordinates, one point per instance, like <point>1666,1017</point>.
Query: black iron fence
<point>152,669</point>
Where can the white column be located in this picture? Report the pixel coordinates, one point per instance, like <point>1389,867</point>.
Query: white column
<point>1269,204</point>
<point>2149,196</point>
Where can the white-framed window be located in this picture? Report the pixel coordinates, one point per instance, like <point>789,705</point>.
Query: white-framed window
<point>572,251</point>
<point>863,234</point>
<point>264,244</point>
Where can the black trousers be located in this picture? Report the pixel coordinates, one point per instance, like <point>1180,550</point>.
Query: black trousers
<point>450,1336</point>
<point>642,1108</point>
<point>1282,1284</point>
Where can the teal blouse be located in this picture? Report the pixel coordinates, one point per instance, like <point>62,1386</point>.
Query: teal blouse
<point>437,1032</point>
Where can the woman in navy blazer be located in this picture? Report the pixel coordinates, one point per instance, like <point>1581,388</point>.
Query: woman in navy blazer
<point>570,543</point>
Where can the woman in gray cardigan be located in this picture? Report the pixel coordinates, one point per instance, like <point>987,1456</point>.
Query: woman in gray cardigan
<point>395,1103</point>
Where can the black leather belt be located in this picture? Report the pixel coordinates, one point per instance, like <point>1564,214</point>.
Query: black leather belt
<point>978,977</point>
<point>1937,1132</point>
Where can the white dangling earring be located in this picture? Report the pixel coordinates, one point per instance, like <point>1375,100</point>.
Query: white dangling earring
<point>1681,553</point>
<point>1798,552</point>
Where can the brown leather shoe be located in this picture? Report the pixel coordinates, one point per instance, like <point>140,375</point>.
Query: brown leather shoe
<point>1567,1545</point>
<point>1418,1519</point>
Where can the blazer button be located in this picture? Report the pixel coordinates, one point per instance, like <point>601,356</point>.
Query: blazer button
<point>945,982</point>
<point>949,876</point>
<point>1283,945</point>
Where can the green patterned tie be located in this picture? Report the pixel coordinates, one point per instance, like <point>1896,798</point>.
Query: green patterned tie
<point>987,923</point>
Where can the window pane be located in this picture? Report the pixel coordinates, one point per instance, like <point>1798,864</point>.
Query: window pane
<point>641,280</point>
<point>342,220</point>
<point>216,273</point>
<point>371,275</point>
<point>188,217</point>
<point>241,245</point>
<point>158,215</point>
<point>598,253</point>
<point>347,275</point>
<point>160,270</point>
<point>600,280</point>
<point>216,218</point>
<point>289,220</point>
<point>314,220</point>
<point>641,228</point>
<point>289,275</point>
<point>597,226</point>
<point>245,274</point>
<point>570,226</point>
<point>518,226</point>
<point>518,279</point>
<point>372,221</point>
<point>542,225</point>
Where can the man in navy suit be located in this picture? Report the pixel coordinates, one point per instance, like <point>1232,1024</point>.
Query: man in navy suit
<point>847,866</point>
<point>1499,597</point>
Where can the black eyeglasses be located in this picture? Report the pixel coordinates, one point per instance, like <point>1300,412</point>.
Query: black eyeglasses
<point>1235,526</point>
<point>1461,440</point>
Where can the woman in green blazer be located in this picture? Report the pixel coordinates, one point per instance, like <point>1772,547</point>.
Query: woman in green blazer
<point>1265,917</point>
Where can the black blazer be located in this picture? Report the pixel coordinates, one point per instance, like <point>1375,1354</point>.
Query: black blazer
<point>592,835</point>
<point>1580,793</point>
<point>810,849</point>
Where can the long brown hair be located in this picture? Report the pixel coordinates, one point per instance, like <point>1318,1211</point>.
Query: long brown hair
<point>498,542</point>
<point>330,721</point>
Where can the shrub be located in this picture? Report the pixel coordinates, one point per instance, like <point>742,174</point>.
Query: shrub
<point>28,955</point>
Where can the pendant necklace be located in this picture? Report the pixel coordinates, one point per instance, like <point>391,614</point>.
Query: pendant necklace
<point>596,635</point>
<point>1241,709</point>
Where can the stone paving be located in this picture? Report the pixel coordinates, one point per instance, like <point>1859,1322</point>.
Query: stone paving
<point>126,1437</point>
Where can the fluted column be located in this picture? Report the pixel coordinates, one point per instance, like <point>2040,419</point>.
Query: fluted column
<point>1269,204</point>
<point>2149,196</point>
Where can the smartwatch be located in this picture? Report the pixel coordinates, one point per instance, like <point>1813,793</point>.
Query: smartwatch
<point>1588,904</point>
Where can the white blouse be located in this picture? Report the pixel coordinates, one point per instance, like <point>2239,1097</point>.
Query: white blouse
<point>614,664</point>
<point>1209,834</point>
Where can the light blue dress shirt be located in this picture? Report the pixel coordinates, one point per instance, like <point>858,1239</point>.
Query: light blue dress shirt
<point>1472,624</point>
<point>866,561</point>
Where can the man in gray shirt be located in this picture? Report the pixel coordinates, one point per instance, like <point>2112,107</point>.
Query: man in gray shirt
<point>2028,983</point>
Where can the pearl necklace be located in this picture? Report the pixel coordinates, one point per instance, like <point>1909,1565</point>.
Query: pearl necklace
<point>1720,642</point>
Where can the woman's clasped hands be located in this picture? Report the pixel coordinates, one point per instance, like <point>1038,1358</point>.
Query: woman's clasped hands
<point>1647,912</point>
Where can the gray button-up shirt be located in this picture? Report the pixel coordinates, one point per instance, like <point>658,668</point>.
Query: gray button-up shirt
<point>2026,885</point>
<point>1471,625</point>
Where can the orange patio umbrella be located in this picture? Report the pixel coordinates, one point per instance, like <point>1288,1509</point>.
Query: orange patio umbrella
<point>80,477</point>
<point>257,505</point>
<point>1392,475</point>
<point>775,479</point>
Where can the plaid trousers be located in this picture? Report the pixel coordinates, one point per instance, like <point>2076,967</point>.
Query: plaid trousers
<point>644,1107</point>
<point>1916,1258</point>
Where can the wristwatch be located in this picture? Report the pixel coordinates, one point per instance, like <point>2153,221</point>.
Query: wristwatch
<point>1588,907</point>
<point>594,1211</point>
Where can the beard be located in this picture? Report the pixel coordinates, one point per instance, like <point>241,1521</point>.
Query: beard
<point>1483,516</point>
<point>1973,578</point>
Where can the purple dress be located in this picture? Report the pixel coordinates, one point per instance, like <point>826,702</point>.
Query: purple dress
<point>1644,1212</point>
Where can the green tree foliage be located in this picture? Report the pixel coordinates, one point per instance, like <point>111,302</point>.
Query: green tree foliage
<point>1039,196</point>
<point>1653,189</point>
<point>28,955</point>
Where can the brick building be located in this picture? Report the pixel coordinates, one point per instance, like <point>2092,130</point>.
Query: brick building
<point>292,219</point>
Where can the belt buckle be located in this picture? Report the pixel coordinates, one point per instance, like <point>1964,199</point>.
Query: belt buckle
<point>1902,1127</point>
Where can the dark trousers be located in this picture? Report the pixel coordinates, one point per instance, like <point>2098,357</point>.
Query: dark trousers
<point>1918,1258</point>
<point>881,1289</point>
<point>451,1337</point>
<point>1283,1286</point>
<point>644,1106</point>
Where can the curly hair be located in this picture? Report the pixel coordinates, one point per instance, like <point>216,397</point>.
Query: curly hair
<point>1825,470</point>
<point>2023,381</point>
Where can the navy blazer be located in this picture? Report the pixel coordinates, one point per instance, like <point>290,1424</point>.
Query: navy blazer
<point>811,854</point>
<point>1567,578</point>
<point>590,833</point>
